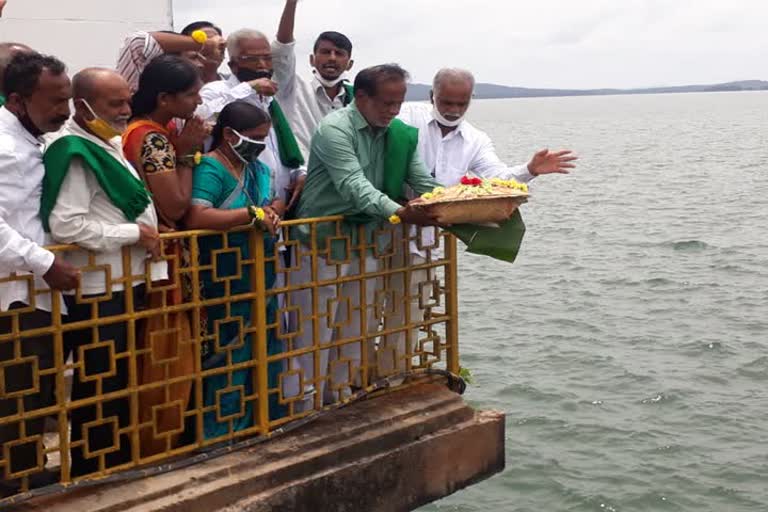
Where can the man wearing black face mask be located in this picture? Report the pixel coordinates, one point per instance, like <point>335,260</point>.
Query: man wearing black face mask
<point>38,93</point>
<point>251,81</point>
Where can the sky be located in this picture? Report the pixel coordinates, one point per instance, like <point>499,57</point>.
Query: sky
<point>539,43</point>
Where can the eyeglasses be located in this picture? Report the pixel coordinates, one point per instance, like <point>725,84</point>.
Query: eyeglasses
<point>254,58</point>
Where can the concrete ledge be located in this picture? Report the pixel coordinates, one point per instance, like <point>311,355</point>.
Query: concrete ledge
<point>392,453</point>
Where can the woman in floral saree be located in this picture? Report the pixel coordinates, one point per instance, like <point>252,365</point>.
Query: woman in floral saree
<point>231,188</point>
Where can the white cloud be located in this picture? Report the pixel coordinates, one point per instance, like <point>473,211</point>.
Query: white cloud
<point>545,43</point>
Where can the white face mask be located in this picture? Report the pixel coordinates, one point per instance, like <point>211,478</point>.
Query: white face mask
<point>440,118</point>
<point>329,83</point>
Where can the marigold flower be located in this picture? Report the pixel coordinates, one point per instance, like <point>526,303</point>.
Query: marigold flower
<point>257,213</point>
<point>198,158</point>
<point>395,219</point>
<point>199,36</point>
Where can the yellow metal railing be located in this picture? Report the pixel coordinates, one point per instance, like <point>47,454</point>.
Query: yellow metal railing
<point>246,335</point>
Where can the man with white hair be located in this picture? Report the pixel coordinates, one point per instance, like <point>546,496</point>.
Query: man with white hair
<point>250,59</point>
<point>451,147</point>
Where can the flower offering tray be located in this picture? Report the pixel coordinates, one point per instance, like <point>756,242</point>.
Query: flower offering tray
<point>474,201</point>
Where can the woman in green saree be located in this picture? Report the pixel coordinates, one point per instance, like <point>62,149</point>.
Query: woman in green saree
<point>231,188</point>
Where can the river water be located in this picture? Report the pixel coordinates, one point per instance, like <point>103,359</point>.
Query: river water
<point>627,345</point>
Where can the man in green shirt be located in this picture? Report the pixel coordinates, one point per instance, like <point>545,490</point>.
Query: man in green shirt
<point>351,174</point>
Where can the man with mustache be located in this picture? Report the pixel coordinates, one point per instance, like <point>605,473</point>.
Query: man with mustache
<point>451,147</point>
<point>93,198</point>
<point>307,103</point>
<point>351,174</point>
<point>38,93</point>
<point>250,57</point>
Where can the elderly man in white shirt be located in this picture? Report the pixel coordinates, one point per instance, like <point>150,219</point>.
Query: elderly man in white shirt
<point>38,93</point>
<point>307,103</point>
<point>451,147</point>
<point>250,57</point>
<point>92,197</point>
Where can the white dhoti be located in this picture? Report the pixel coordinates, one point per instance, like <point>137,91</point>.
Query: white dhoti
<point>410,291</point>
<point>344,312</point>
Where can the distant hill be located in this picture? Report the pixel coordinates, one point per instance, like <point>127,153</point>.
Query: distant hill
<point>419,92</point>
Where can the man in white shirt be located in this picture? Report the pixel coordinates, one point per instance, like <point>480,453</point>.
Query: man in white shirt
<point>38,92</point>
<point>307,103</point>
<point>250,57</point>
<point>451,147</point>
<point>94,198</point>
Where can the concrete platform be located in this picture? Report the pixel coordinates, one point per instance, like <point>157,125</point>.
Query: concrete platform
<point>392,453</point>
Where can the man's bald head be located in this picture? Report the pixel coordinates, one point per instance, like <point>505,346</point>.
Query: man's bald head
<point>91,82</point>
<point>7,52</point>
<point>107,94</point>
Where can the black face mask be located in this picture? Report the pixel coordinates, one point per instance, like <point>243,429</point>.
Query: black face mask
<point>248,149</point>
<point>247,75</point>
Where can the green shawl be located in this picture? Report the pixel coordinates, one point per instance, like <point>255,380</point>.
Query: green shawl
<point>125,191</point>
<point>290,154</point>
<point>349,95</point>
<point>2,100</point>
<point>502,243</point>
<point>402,142</point>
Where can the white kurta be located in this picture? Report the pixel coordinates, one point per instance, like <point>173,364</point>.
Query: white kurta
<point>305,103</point>
<point>21,232</point>
<point>217,95</point>
<point>85,216</point>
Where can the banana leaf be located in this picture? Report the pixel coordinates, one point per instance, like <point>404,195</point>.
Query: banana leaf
<point>501,243</point>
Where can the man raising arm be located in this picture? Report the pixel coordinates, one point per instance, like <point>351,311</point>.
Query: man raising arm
<point>307,103</point>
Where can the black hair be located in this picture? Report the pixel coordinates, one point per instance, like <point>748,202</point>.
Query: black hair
<point>167,73</point>
<point>22,75</point>
<point>239,116</point>
<point>338,39</point>
<point>368,80</point>
<point>200,25</point>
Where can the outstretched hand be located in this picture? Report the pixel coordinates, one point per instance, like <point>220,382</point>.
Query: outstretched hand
<point>546,162</point>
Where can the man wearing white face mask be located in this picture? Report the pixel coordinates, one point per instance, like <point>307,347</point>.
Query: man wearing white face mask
<point>451,147</point>
<point>307,103</point>
<point>92,197</point>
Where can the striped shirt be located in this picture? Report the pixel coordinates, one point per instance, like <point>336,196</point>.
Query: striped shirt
<point>138,49</point>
